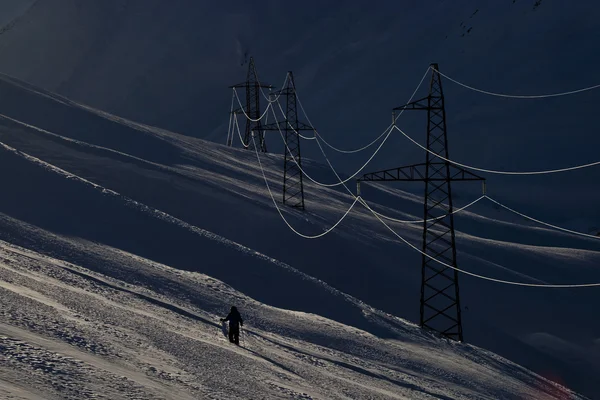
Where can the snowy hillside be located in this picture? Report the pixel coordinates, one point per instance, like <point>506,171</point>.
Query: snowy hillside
<point>203,210</point>
<point>69,333</point>
<point>143,237</point>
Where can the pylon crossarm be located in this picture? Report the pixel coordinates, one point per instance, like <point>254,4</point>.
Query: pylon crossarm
<point>283,125</point>
<point>461,174</point>
<point>301,126</point>
<point>421,104</point>
<point>417,173</point>
<point>409,173</point>
<point>246,84</point>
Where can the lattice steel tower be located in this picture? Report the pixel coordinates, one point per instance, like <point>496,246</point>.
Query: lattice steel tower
<point>252,86</point>
<point>440,301</point>
<point>293,187</point>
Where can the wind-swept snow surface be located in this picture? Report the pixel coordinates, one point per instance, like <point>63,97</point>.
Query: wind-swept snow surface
<point>123,244</point>
<point>69,333</point>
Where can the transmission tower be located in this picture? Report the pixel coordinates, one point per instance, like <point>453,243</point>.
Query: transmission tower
<point>440,301</point>
<point>252,86</point>
<point>293,188</point>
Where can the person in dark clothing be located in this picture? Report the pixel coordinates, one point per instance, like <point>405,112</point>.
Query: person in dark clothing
<point>235,321</point>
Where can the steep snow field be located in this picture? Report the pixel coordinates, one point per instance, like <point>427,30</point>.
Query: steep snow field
<point>69,333</point>
<point>124,243</point>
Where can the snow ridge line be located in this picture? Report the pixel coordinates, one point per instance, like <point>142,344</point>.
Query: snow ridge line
<point>79,142</point>
<point>161,215</point>
<point>152,164</point>
<point>151,130</point>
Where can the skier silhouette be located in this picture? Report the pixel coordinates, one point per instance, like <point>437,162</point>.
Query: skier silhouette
<point>235,320</point>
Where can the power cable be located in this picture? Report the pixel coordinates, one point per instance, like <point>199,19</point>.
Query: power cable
<point>514,96</point>
<point>541,222</point>
<point>281,214</point>
<point>544,285</point>
<point>491,171</point>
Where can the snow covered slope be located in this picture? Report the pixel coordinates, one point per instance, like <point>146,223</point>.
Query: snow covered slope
<point>120,202</point>
<point>69,333</point>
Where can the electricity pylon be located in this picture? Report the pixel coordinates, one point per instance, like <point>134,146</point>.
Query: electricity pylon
<point>440,301</point>
<point>253,123</point>
<point>293,187</point>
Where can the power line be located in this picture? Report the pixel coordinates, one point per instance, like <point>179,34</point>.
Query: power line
<point>447,265</point>
<point>341,181</point>
<point>420,221</point>
<point>359,199</point>
<point>356,198</point>
<point>230,128</point>
<point>513,96</point>
<point>237,126</point>
<point>281,214</point>
<point>287,76</point>
<point>291,126</point>
<point>541,222</point>
<point>493,201</point>
<point>244,111</point>
<point>474,274</point>
<point>376,139</point>
<point>491,171</point>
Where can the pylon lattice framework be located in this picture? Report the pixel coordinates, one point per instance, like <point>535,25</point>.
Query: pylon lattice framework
<point>440,308</point>
<point>252,86</point>
<point>293,186</point>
